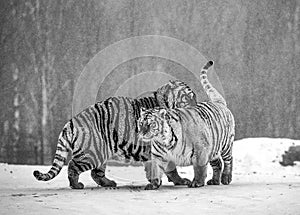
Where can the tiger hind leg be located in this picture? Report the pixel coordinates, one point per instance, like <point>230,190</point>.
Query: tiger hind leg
<point>226,154</point>
<point>227,172</point>
<point>217,169</point>
<point>75,168</point>
<point>73,175</point>
<point>98,175</point>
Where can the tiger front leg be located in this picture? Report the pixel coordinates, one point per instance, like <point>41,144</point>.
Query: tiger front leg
<point>99,177</point>
<point>174,177</point>
<point>153,174</point>
<point>200,161</point>
<point>200,174</point>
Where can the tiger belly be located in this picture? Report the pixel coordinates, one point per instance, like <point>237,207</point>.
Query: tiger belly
<point>182,160</point>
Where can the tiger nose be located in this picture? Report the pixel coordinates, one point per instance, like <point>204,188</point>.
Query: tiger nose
<point>145,130</point>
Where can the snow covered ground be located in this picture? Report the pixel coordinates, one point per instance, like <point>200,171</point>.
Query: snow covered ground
<point>260,186</point>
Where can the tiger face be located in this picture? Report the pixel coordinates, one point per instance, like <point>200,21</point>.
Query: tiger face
<point>153,125</point>
<point>186,99</point>
<point>176,94</point>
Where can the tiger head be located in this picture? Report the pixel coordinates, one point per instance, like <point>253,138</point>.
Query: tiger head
<point>153,125</point>
<point>175,94</point>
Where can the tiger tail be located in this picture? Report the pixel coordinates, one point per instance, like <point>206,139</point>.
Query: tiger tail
<point>63,147</point>
<point>210,91</point>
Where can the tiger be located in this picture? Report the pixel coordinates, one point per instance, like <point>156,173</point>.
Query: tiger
<point>194,135</point>
<point>108,129</point>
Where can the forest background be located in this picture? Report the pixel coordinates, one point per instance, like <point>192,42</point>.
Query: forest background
<point>45,45</point>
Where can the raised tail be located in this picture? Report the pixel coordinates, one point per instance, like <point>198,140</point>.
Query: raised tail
<point>211,92</point>
<point>63,146</point>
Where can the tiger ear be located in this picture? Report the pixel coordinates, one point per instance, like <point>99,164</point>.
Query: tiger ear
<point>142,111</point>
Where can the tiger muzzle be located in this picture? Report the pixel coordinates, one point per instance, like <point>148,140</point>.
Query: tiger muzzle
<point>145,130</point>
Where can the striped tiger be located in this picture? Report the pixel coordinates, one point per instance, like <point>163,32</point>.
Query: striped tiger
<point>192,136</point>
<point>108,129</point>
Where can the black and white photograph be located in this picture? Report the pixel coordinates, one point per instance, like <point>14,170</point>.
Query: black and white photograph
<point>149,107</point>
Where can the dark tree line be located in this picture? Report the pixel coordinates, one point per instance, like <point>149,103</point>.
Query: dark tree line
<point>44,45</point>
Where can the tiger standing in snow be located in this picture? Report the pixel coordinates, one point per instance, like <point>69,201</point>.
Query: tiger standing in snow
<point>108,129</point>
<point>192,136</point>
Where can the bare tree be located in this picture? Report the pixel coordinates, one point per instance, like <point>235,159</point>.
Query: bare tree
<point>44,88</point>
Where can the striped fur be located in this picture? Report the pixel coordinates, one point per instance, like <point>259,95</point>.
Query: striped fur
<point>108,129</point>
<point>176,94</point>
<point>193,136</point>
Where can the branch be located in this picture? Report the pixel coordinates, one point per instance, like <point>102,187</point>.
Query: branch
<point>35,102</point>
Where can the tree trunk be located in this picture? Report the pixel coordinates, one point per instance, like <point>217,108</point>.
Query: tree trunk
<point>16,120</point>
<point>45,128</point>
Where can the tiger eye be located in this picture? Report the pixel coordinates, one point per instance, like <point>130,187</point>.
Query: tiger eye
<point>153,124</point>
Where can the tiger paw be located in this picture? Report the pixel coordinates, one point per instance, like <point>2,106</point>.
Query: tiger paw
<point>226,179</point>
<point>108,183</point>
<point>183,181</point>
<point>151,187</point>
<point>77,186</point>
<point>154,185</point>
<point>104,182</point>
<point>213,182</point>
<point>195,184</point>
